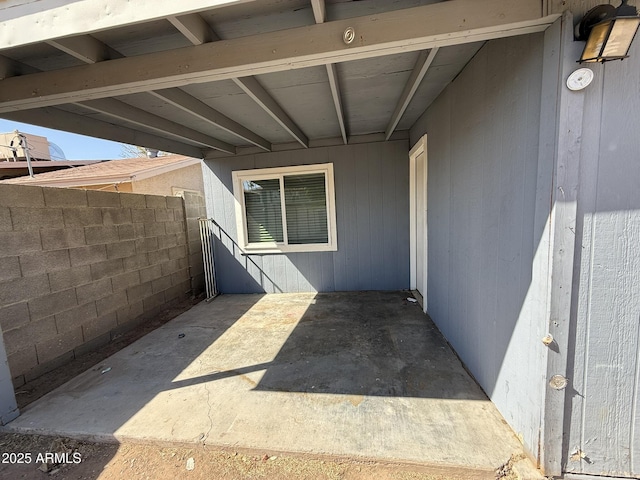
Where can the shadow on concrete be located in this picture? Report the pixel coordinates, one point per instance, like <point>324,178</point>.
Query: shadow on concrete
<point>351,373</point>
<point>368,343</point>
<point>361,343</point>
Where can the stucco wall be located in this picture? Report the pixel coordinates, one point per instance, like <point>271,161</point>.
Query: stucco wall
<point>482,151</point>
<point>189,178</point>
<point>372,210</point>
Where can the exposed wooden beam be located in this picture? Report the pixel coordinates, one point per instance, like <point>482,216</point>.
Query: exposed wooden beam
<point>194,28</point>
<point>252,87</point>
<point>198,32</point>
<point>91,50</point>
<point>124,111</point>
<point>6,67</point>
<point>314,143</point>
<point>56,19</point>
<point>85,48</point>
<point>188,103</point>
<point>320,14</point>
<point>319,10</point>
<point>419,28</point>
<point>337,101</point>
<point>61,117</point>
<point>419,71</point>
<point>10,68</point>
<point>62,120</point>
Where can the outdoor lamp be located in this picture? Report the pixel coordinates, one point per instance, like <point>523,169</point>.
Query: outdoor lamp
<point>608,31</point>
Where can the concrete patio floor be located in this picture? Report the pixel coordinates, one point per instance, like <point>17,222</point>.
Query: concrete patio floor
<point>362,374</point>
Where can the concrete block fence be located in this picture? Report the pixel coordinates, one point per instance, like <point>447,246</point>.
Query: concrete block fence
<point>79,267</point>
<point>194,209</point>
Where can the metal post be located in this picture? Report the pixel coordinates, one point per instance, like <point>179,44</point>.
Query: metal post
<point>25,147</point>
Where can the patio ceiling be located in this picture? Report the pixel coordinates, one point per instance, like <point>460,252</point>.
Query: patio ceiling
<point>233,77</point>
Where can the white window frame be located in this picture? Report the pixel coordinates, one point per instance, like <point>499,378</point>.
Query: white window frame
<point>239,176</point>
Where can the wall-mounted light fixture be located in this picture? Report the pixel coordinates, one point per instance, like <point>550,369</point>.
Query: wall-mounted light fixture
<point>608,31</point>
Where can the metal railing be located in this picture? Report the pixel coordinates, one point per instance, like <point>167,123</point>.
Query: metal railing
<point>208,256</point>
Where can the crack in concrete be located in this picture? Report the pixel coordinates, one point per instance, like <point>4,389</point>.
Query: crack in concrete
<point>206,435</point>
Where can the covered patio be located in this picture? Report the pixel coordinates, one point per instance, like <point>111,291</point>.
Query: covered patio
<point>363,375</point>
<point>485,220</point>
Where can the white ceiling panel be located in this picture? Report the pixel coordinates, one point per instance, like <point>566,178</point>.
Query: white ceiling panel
<point>371,89</point>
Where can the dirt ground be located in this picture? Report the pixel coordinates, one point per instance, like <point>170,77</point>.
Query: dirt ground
<point>24,456</point>
<point>138,461</point>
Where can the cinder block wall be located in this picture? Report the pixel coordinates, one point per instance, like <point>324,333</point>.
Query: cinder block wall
<point>194,209</point>
<point>79,267</point>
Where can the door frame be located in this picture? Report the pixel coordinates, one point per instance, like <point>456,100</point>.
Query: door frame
<point>419,148</point>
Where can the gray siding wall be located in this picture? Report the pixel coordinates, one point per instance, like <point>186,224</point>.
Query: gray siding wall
<point>603,406</point>
<point>486,223</point>
<point>372,210</point>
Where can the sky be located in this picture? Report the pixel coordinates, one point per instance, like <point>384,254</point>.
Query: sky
<point>75,147</point>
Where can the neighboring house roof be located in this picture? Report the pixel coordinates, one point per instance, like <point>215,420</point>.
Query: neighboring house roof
<point>9,169</point>
<point>111,171</point>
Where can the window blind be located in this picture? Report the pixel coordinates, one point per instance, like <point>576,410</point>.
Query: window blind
<point>305,199</point>
<point>264,211</point>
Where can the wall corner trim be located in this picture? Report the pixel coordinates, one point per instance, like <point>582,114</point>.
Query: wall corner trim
<point>561,52</point>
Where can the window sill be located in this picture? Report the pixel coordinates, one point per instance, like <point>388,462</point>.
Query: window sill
<point>288,249</point>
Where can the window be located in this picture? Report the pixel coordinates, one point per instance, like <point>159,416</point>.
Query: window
<point>289,209</point>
